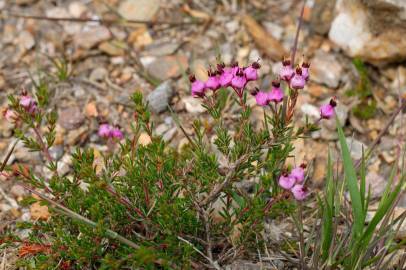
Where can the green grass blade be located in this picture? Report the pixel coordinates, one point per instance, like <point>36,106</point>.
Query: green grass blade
<point>327,228</point>
<point>352,184</point>
<point>363,183</point>
<point>384,206</point>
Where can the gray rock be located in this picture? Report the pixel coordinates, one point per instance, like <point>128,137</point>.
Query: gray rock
<point>159,98</point>
<point>17,191</point>
<point>161,129</point>
<point>322,15</point>
<point>166,67</point>
<point>377,184</point>
<point>161,49</point>
<point>275,29</point>
<point>63,166</point>
<point>90,36</point>
<point>22,154</point>
<point>71,118</point>
<point>355,147</point>
<point>168,136</point>
<point>56,151</point>
<point>98,74</point>
<point>310,110</point>
<point>326,69</point>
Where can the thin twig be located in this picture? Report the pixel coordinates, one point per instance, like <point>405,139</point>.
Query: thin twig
<point>299,26</point>
<point>8,155</point>
<point>44,148</point>
<point>383,132</point>
<point>301,236</point>
<point>81,218</point>
<point>219,188</point>
<point>214,264</point>
<point>101,21</point>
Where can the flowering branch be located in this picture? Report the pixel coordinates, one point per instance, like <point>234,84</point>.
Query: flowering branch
<point>81,218</point>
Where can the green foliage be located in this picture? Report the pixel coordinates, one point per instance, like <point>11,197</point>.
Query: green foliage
<point>355,244</point>
<point>153,207</point>
<point>366,108</point>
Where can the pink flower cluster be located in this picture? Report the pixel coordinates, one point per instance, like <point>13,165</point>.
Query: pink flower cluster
<point>225,76</point>
<point>275,95</point>
<point>294,182</point>
<point>297,78</point>
<point>27,102</point>
<point>107,131</point>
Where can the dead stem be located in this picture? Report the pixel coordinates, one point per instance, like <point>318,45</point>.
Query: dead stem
<point>299,26</point>
<point>101,21</point>
<point>383,132</point>
<point>301,236</point>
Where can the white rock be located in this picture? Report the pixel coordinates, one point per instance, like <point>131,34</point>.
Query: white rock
<point>168,136</point>
<point>326,69</point>
<point>76,9</point>
<point>355,147</point>
<point>364,29</point>
<point>25,40</point>
<point>310,110</point>
<point>143,10</point>
<point>193,105</point>
<point>274,29</point>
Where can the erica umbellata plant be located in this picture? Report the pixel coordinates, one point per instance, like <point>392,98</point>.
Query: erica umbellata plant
<point>153,207</point>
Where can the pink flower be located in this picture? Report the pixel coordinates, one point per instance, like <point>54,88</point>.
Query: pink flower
<point>213,82</point>
<point>116,133</point>
<point>286,72</point>
<point>276,93</point>
<point>300,192</point>
<point>251,72</point>
<point>234,68</point>
<point>197,86</point>
<point>239,81</point>
<point>226,75</point>
<point>286,181</point>
<point>261,97</point>
<point>28,103</point>
<point>297,82</point>
<point>105,130</point>
<point>10,115</point>
<point>327,110</point>
<point>305,70</point>
<point>298,173</point>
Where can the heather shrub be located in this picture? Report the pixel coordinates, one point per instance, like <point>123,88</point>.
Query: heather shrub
<point>152,207</point>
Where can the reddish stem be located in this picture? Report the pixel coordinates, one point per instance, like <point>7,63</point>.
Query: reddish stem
<point>44,148</point>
